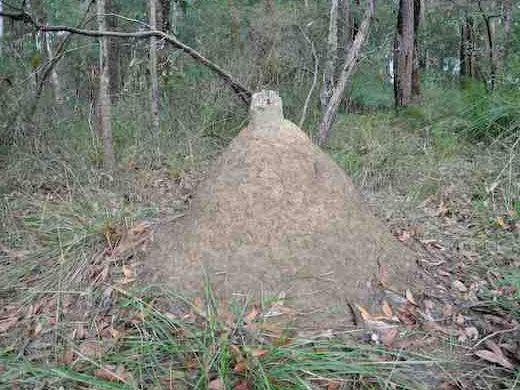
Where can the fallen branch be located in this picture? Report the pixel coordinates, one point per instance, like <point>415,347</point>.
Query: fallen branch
<point>243,92</point>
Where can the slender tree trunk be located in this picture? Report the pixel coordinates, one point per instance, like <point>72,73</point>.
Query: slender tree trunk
<point>346,27</point>
<point>404,54</point>
<point>416,87</point>
<point>114,53</point>
<point>347,71</point>
<point>468,59</point>
<point>508,21</point>
<point>103,103</point>
<point>332,56</point>
<point>56,85</point>
<point>490,29</point>
<point>1,27</point>
<point>235,22</point>
<point>154,90</point>
<point>165,10</point>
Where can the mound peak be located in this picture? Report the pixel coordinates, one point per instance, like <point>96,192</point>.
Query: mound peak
<point>277,216</point>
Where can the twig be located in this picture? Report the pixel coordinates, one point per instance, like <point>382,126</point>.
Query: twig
<point>314,78</point>
<point>489,336</point>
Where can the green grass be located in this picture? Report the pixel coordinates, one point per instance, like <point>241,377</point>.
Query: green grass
<point>158,348</point>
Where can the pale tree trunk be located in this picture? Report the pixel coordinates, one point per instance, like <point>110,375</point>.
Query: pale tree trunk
<point>154,87</point>
<point>404,54</point>
<point>332,56</point>
<point>55,81</point>
<point>103,101</point>
<point>489,21</point>
<point>347,71</point>
<point>508,22</point>
<point>416,87</point>
<point>347,37</point>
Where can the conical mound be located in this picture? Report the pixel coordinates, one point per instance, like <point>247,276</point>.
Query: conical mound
<point>277,215</point>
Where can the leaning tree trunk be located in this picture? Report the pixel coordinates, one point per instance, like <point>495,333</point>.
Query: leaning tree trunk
<point>404,54</point>
<point>346,73</point>
<point>154,82</point>
<point>103,103</point>
<point>332,56</point>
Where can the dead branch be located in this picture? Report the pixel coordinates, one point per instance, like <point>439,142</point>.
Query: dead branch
<point>243,92</point>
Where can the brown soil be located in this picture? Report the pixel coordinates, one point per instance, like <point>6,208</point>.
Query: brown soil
<point>277,216</point>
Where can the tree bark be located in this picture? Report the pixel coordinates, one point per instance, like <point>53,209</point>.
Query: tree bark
<point>165,10</point>
<point>114,60</point>
<point>416,87</point>
<point>468,61</point>
<point>154,82</point>
<point>103,103</point>
<point>347,71</point>
<point>235,22</point>
<point>508,22</point>
<point>332,56</point>
<point>1,27</point>
<point>404,54</point>
<point>55,80</point>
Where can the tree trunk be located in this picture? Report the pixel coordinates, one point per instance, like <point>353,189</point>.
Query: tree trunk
<point>346,73</point>
<point>56,85</point>
<point>1,27</point>
<point>235,23</point>
<point>404,54</point>
<point>347,32</point>
<point>468,61</point>
<point>114,65</point>
<point>332,56</point>
<point>103,103</point>
<point>154,82</point>
<point>490,29</point>
<point>508,21</point>
<point>416,87</point>
<point>165,10</point>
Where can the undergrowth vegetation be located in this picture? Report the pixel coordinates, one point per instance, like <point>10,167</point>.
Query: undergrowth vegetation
<point>451,163</point>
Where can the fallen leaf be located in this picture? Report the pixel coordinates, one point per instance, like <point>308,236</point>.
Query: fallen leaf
<point>259,352</point>
<point>91,349</point>
<point>252,315</point>
<point>128,271</point>
<point>240,367</point>
<point>494,358</point>
<point>67,357</point>
<point>38,328</point>
<point>459,286</point>
<point>410,298</point>
<point>112,373</point>
<point>388,336</point>
<point>383,274</point>
<point>243,385</point>
<point>216,384</point>
<point>404,236</point>
<point>333,385</point>
<point>7,324</point>
<point>387,309</point>
<point>365,315</point>
<point>471,332</point>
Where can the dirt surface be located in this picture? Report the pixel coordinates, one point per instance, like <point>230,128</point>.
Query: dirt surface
<point>278,218</point>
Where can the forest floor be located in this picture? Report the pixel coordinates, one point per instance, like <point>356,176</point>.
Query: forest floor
<point>74,315</point>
